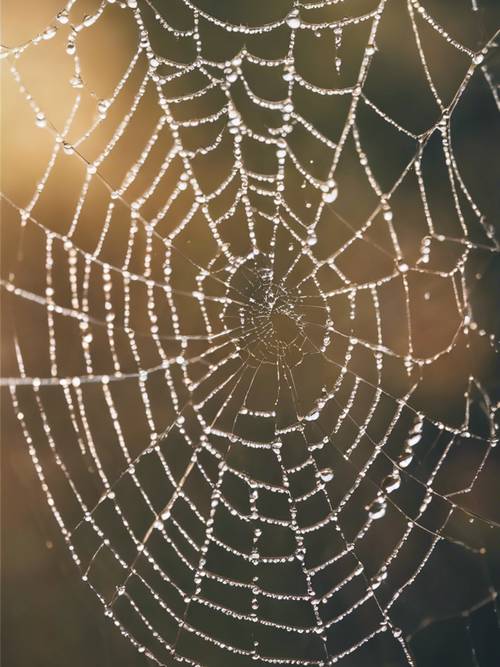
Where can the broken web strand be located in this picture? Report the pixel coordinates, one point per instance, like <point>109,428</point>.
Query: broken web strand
<point>295,24</point>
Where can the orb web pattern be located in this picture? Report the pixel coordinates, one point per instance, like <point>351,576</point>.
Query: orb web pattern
<point>227,345</point>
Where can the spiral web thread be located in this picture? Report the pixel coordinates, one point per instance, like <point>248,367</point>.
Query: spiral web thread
<point>246,454</point>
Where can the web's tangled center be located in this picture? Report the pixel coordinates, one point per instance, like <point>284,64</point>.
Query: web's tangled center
<point>270,316</point>
<point>284,326</point>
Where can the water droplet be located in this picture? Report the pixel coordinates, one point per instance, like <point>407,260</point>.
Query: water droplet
<point>293,20</point>
<point>103,106</point>
<point>63,17</point>
<point>330,191</point>
<point>391,483</point>
<point>40,119</point>
<point>405,458</point>
<point>418,425</point>
<point>49,32</point>
<point>326,474</point>
<point>378,578</point>
<point>414,440</point>
<point>377,509</point>
<point>76,82</point>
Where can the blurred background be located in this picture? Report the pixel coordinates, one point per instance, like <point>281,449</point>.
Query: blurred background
<point>49,617</point>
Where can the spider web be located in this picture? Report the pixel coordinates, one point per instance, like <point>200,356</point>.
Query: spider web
<point>227,344</point>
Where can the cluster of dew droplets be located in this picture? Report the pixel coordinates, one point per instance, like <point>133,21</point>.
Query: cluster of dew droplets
<point>337,33</point>
<point>414,437</point>
<point>392,482</point>
<point>329,191</point>
<point>377,509</point>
